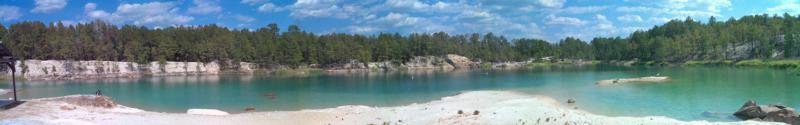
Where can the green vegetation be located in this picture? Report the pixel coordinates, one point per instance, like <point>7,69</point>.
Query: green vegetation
<point>769,37</point>
<point>99,40</point>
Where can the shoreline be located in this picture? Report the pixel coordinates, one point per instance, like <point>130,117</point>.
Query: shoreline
<point>494,107</point>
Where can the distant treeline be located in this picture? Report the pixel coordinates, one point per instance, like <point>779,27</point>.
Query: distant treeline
<point>757,36</point>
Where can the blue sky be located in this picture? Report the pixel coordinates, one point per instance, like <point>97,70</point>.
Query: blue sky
<point>545,19</point>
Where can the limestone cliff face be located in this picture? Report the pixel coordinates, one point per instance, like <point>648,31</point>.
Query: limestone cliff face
<point>427,62</point>
<point>62,69</point>
<point>460,62</point>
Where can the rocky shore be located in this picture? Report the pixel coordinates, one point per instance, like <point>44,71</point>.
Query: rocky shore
<point>64,69</point>
<point>476,107</point>
<point>774,113</point>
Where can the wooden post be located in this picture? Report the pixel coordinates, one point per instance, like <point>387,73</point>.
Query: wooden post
<point>14,83</point>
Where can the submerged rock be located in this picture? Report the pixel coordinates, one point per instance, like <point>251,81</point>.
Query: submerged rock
<point>571,100</point>
<point>775,113</point>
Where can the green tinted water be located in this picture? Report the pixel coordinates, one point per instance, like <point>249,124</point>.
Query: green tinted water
<point>718,91</point>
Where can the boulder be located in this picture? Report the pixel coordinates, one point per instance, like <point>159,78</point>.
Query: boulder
<point>775,113</point>
<point>571,100</point>
<point>460,62</point>
<point>206,112</point>
<point>785,115</point>
<point>749,111</point>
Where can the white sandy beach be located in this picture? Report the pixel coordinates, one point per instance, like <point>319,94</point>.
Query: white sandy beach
<point>495,107</point>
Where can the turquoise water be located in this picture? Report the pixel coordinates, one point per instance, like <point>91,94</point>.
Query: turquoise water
<point>694,90</point>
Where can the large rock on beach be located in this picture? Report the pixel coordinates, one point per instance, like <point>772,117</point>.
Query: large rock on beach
<point>775,113</point>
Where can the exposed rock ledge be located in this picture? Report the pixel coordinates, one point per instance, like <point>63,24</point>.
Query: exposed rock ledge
<point>648,79</point>
<point>478,107</point>
<point>775,113</point>
<point>63,69</point>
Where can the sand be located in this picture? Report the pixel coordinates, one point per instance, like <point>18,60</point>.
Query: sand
<point>648,79</point>
<point>495,107</point>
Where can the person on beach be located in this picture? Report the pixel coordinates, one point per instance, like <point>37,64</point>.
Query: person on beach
<point>98,93</point>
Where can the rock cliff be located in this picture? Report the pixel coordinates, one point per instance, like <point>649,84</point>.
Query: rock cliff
<point>63,69</point>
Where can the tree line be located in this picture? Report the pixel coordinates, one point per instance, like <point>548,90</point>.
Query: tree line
<point>755,36</point>
<point>99,40</point>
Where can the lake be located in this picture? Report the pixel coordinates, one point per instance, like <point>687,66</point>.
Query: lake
<point>691,92</point>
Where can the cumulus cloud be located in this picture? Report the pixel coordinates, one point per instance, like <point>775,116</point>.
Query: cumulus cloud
<point>788,6</point>
<point>267,7</point>
<point>8,13</point>
<point>89,6</point>
<point>318,8</point>
<point>243,18</point>
<point>152,13</point>
<point>556,20</point>
<point>580,10</point>
<point>47,6</point>
<point>630,18</point>
<point>552,3</point>
<point>707,5</point>
<point>205,7</point>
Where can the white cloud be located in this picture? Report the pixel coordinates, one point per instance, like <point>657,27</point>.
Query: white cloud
<point>267,7</point>
<point>552,3</point>
<point>318,8</point>
<point>205,7</point>
<point>244,18</point>
<point>152,13</point>
<point>785,7</point>
<point>8,13</point>
<point>253,2</point>
<point>706,5</point>
<point>639,9</point>
<point>580,10</point>
<point>556,20</point>
<point>47,6</point>
<point>90,7</point>
<point>362,29</point>
<point>630,18</point>
<point>660,19</point>
<point>399,20</point>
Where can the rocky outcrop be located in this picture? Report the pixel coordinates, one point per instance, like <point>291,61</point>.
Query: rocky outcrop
<point>385,65</point>
<point>776,113</point>
<point>460,62</point>
<point>427,62</point>
<point>63,69</point>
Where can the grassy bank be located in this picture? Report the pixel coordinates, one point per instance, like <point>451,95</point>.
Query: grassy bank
<point>782,64</point>
<point>789,64</point>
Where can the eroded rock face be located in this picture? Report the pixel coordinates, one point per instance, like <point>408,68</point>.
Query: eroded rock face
<point>64,69</point>
<point>460,62</point>
<point>427,62</point>
<point>775,113</point>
